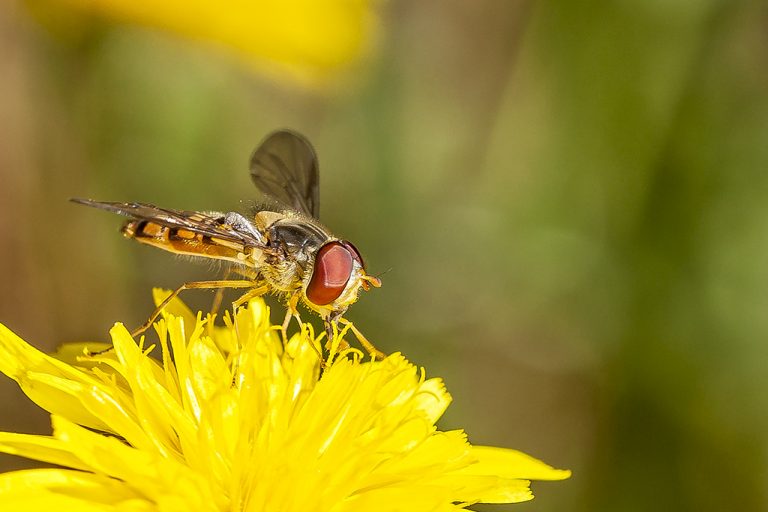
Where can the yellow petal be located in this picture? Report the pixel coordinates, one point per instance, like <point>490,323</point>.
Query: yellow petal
<point>42,448</point>
<point>506,463</point>
<point>163,418</point>
<point>60,489</point>
<point>488,489</point>
<point>52,384</point>
<point>411,498</point>
<point>155,476</point>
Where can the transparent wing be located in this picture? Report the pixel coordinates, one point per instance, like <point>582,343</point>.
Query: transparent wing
<point>213,225</point>
<point>285,167</point>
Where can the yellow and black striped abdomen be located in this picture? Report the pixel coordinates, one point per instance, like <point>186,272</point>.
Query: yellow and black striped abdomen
<point>183,241</point>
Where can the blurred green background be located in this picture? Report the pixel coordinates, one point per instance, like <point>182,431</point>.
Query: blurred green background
<point>572,198</point>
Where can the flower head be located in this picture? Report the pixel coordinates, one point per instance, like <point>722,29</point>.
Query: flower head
<point>231,418</point>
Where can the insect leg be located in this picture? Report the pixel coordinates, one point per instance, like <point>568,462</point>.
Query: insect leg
<point>250,294</point>
<point>367,345</point>
<point>197,285</point>
<point>330,334</point>
<point>255,292</point>
<point>219,297</point>
<point>291,311</point>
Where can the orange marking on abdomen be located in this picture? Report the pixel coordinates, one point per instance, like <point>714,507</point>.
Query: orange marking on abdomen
<point>185,234</point>
<point>150,229</point>
<point>183,241</point>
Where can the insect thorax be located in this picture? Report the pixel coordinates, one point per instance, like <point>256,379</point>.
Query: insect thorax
<point>297,241</point>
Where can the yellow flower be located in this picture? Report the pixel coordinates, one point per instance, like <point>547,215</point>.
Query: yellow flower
<point>230,418</point>
<point>308,40</point>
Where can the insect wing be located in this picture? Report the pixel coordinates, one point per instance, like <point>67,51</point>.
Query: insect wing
<point>285,167</point>
<point>196,222</point>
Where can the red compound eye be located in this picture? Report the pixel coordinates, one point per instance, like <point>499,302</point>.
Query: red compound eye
<point>333,268</point>
<point>355,253</point>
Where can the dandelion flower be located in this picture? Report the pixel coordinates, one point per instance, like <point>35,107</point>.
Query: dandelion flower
<point>233,419</point>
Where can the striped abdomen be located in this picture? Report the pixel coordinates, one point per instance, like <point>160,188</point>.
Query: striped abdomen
<point>183,241</point>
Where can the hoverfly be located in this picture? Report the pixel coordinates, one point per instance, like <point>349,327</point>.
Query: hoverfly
<point>282,248</point>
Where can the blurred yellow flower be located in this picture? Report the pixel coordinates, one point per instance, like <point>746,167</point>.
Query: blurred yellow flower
<point>308,40</point>
<point>230,418</point>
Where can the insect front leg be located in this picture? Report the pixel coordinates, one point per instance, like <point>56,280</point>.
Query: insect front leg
<point>331,331</point>
<point>367,345</point>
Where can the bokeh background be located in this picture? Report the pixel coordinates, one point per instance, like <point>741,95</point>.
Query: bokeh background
<point>572,198</point>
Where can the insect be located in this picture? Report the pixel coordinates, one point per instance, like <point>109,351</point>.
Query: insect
<point>282,248</point>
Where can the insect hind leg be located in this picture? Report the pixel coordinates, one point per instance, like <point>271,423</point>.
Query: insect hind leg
<point>218,298</point>
<point>195,285</point>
